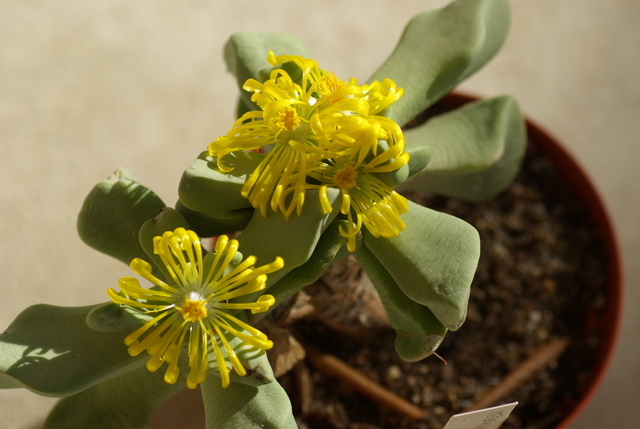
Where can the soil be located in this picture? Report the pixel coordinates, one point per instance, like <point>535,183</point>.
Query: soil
<point>541,275</point>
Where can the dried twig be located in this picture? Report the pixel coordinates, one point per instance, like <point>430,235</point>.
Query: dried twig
<point>538,360</point>
<point>338,369</point>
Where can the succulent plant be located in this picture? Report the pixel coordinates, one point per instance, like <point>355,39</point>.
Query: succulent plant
<point>306,175</point>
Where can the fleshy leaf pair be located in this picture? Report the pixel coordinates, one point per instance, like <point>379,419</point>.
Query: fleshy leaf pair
<point>422,274</point>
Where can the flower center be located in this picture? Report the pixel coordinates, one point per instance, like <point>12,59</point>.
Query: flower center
<point>345,177</point>
<point>329,85</point>
<point>194,310</point>
<point>288,119</point>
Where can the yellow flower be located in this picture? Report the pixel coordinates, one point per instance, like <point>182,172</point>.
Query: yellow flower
<point>366,199</point>
<point>193,307</point>
<point>300,124</point>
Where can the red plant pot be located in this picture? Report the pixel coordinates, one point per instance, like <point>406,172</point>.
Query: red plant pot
<point>604,322</point>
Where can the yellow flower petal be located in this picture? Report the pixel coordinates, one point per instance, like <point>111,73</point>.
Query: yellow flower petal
<point>193,307</point>
<point>304,124</point>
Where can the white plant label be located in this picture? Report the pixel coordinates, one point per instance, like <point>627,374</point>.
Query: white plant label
<point>487,418</point>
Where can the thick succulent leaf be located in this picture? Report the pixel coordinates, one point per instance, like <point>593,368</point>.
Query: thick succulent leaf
<point>294,240</point>
<point>418,332</point>
<point>477,150</point>
<point>245,407</point>
<point>246,56</point>
<point>124,402</point>
<point>254,360</point>
<point>433,261</point>
<point>419,154</point>
<point>51,351</point>
<point>439,49</point>
<point>205,189</point>
<point>331,247</point>
<point>395,178</point>
<point>112,317</point>
<point>112,214</point>
<point>214,224</point>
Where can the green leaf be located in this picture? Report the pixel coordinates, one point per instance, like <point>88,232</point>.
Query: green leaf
<point>254,360</point>
<point>51,351</point>
<point>294,240</point>
<point>124,402</point>
<point>441,48</point>
<point>397,177</point>
<point>418,332</point>
<point>112,214</point>
<point>245,407</point>
<point>420,154</point>
<point>331,247</point>
<point>433,261</point>
<point>207,190</point>
<point>128,401</point>
<point>112,317</point>
<point>246,56</point>
<point>477,150</point>
<point>214,224</point>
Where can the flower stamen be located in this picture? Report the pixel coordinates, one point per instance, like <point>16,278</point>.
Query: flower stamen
<point>288,119</point>
<point>345,177</point>
<point>197,309</point>
<point>193,310</point>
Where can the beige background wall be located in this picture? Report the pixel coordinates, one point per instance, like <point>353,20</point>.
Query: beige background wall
<point>87,86</point>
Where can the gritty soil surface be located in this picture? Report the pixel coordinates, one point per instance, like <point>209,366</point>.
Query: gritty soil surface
<point>541,276</point>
